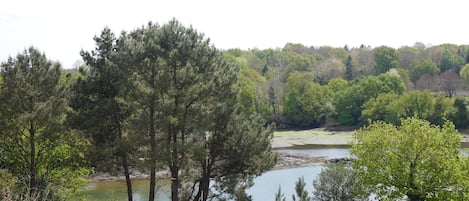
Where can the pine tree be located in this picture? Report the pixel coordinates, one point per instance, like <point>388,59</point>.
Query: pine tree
<point>348,68</point>
<point>36,147</point>
<point>188,98</point>
<point>100,106</point>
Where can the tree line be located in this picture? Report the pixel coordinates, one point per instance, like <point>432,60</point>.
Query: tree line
<point>161,95</point>
<point>300,87</point>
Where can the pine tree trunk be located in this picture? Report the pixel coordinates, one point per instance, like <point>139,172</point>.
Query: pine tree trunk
<point>205,187</point>
<point>174,183</point>
<point>152,154</point>
<point>125,165</point>
<point>32,164</point>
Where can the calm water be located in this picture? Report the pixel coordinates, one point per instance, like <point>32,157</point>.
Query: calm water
<point>264,189</point>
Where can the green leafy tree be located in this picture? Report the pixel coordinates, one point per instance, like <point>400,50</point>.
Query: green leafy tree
<point>36,147</point>
<point>414,161</point>
<point>450,61</point>
<point>460,117</point>
<point>464,74</point>
<point>422,67</point>
<point>349,103</point>
<point>382,108</point>
<point>385,58</point>
<point>100,107</point>
<point>416,103</point>
<point>443,109</point>
<point>305,101</point>
<point>339,183</point>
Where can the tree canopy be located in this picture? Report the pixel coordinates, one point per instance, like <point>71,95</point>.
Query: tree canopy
<point>36,147</point>
<point>415,160</point>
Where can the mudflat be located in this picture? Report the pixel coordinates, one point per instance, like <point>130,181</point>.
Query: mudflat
<point>317,136</point>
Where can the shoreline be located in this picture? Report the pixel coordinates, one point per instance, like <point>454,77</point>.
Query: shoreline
<point>312,137</point>
<point>318,137</point>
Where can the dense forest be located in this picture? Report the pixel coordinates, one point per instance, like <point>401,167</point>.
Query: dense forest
<point>299,87</point>
<point>165,98</point>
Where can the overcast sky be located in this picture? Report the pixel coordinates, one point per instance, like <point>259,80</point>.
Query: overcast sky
<point>62,28</point>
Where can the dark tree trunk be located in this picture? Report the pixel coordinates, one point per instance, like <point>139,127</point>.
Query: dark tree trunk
<point>204,184</point>
<point>174,167</point>
<point>174,183</point>
<point>152,154</point>
<point>125,165</point>
<point>32,164</point>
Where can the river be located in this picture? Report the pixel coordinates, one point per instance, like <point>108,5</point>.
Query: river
<point>264,189</point>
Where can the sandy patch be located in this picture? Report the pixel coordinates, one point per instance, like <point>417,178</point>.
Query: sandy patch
<point>318,136</point>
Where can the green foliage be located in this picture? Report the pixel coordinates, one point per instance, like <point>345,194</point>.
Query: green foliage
<point>443,110</point>
<point>337,84</point>
<point>417,103</point>
<point>249,80</point>
<point>338,182</point>
<point>385,58</point>
<point>279,196</point>
<point>415,160</point>
<point>422,67</point>
<point>198,110</point>
<point>37,149</point>
<point>382,108</point>
<point>349,104</point>
<point>450,61</point>
<point>305,101</point>
<point>100,94</point>
<point>464,74</point>
<point>391,108</point>
<point>349,68</point>
<point>238,153</point>
<point>97,96</point>
<point>460,118</point>
<point>301,193</point>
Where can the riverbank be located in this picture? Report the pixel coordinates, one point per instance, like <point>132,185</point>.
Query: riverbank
<point>282,140</point>
<point>318,136</point>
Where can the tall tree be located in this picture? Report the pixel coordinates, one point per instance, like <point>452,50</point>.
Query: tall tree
<point>416,160</point>
<point>189,96</point>
<point>348,68</point>
<point>36,147</point>
<point>100,106</point>
<point>144,52</point>
<point>385,58</point>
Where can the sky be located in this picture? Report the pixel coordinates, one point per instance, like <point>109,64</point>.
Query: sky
<point>61,28</point>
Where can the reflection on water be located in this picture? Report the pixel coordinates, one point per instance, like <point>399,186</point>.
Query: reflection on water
<point>116,190</point>
<point>266,185</point>
<point>264,189</point>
